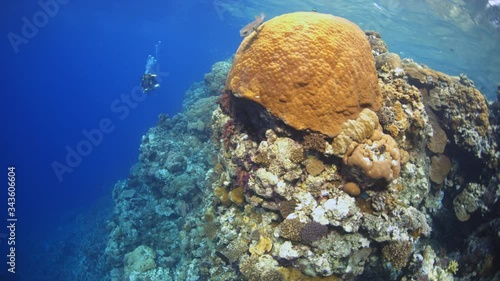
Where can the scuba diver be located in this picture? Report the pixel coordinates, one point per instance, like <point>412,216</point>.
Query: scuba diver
<point>149,80</point>
<point>149,83</point>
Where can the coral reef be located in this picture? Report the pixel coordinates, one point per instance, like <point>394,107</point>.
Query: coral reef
<point>369,188</point>
<point>236,189</point>
<point>325,57</point>
<point>156,230</point>
<point>461,108</point>
<point>215,80</point>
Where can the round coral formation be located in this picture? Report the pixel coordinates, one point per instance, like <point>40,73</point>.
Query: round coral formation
<point>378,158</point>
<point>352,189</point>
<point>314,71</point>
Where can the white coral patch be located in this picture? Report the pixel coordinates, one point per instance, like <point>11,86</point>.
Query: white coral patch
<point>305,201</point>
<point>287,251</point>
<point>322,265</point>
<point>319,215</point>
<point>281,188</point>
<point>339,207</point>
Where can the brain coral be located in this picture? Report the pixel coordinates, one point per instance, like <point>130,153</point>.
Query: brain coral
<point>314,71</point>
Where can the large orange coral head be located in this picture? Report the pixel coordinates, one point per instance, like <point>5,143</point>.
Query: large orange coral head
<point>314,71</point>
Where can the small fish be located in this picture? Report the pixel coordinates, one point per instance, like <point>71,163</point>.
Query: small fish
<point>251,27</point>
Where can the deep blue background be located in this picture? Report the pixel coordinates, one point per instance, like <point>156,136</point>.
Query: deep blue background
<point>65,80</point>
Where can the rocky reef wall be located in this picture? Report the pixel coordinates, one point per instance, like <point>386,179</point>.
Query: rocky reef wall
<point>228,190</point>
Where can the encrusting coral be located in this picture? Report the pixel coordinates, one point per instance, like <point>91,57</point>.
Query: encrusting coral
<point>313,231</point>
<point>440,167</point>
<point>325,58</point>
<point>377,158</point>
<point>356,130</point>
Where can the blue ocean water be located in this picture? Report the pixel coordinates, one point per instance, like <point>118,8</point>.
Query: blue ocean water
<point>69,69</point>
<point>66,78</point>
